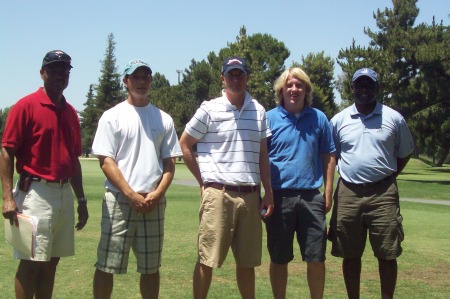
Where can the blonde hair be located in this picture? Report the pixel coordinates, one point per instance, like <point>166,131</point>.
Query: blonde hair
<point>296,73</point>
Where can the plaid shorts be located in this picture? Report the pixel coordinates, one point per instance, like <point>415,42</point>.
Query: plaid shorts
<point>122,228</point>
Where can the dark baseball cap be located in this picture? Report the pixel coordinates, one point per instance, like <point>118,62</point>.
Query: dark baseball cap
<point>234,62</point>
<point>56,56</point>
<point>365,72</point>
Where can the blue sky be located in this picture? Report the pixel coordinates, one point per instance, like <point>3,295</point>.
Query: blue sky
<point>169,34</point>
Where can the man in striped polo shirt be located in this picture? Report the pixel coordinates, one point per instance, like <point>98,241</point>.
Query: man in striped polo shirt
<point>231,136</point>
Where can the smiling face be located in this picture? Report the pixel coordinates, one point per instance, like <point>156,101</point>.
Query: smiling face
<point>364,90</point>
<point>293,93</point>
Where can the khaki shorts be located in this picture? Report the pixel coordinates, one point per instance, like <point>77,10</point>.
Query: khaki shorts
<point>359,210</point>
<point>53,205</point>
<point>122,228</point>
<point>230,219</point>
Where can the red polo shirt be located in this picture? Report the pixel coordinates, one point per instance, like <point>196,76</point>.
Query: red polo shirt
<point>47,139</point>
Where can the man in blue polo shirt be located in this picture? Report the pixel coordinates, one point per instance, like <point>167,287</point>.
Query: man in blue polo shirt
<point>301,153</point>
<point>373,146</point>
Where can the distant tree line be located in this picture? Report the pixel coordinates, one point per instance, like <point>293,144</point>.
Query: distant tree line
<point>412,61</point>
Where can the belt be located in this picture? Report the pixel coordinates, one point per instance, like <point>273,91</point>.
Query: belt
<point>38,179</point>
<point>368,184</point>
<point>233,188</point>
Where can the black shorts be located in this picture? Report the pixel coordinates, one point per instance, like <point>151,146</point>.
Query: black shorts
<point>301,212</point>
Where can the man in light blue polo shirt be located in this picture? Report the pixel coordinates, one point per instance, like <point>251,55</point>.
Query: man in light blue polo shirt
<point>373,146</point>
<point>301,153</point>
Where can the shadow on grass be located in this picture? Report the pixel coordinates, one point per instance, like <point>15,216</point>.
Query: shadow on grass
<point>440,182</point>
<point>440,170</point>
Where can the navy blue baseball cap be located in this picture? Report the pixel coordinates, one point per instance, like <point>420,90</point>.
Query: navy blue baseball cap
<point>234,62</point>
<point>133,65</point>
<point>56,56</point>
<point>365,72</point>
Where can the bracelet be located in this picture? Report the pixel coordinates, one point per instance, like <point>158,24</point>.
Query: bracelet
<point>82,200</point>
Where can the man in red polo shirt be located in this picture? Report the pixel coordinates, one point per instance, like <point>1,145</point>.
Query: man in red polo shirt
<point>42,133</point>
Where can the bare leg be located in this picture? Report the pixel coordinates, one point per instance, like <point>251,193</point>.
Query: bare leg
<point>149,285</point>
<point>388,277</point>
<point>278,279</point>
<point>316,279</point>
<point>245,278</point>
<point>36,278</point>
<point>201,280</point>
<point>103,284</point>
<point>26,279</point>
<point>351,269</point>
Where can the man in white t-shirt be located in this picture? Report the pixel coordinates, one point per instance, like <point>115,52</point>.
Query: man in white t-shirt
<point>136,144</point>
<point>231,136</point>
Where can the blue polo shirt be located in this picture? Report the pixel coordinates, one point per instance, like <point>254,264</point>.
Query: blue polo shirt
<point>296,146</point>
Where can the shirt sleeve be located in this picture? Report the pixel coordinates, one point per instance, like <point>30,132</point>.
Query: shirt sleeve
<point>105,143</point>
<point>198,125</point>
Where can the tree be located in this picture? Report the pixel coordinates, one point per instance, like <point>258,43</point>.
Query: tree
<point>109,90</point>
<point>106,94</point>
<point>3,116</point>
<point>320,69</point>
<point>265,56</point>
<point>413,63</point>
<point>88,121</point>
<point>159,81</point>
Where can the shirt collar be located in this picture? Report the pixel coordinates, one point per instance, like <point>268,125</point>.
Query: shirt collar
<point>377,110</point>
<point>247,100</point>
<point>45,100</point>
<point>285,113</point>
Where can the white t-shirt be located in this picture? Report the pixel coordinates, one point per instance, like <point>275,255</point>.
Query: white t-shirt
<point>137,138</point>
<point>229,140</point>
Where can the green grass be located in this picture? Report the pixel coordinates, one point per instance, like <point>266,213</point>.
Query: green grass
<point>424,267</point>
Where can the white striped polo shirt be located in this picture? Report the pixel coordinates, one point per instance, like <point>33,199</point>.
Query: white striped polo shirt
<point>229,140</point>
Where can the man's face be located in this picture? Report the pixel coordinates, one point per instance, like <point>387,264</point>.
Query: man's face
<point>293,95</point>
<point>235,81</point>
<point>139,82</point>
<point>364,90</point>
<point>55,76</point>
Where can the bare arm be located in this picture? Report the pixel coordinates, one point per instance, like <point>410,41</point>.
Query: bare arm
<point>264,169</point>
<point>401,164</point>
<point>152,198</point>
<point>187,143</point>
<point>77,186</point>
<point>328,168</point>
<point>115,176</point>
<point>9,208</point>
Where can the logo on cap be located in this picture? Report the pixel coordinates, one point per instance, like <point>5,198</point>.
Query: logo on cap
<point>233,61</point>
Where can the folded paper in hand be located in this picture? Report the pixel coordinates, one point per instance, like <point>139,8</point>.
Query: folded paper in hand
<point>23,237</point>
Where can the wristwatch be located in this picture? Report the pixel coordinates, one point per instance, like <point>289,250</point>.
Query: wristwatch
<point>82,200</point>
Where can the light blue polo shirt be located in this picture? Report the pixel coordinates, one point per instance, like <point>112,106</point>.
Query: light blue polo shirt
<point>296,146</point>
<point>368,145</point>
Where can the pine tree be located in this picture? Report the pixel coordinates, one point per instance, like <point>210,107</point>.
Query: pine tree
<point>106,94</point>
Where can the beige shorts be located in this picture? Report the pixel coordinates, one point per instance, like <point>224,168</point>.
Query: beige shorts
<point>230,219</point>
<point>53,205</point>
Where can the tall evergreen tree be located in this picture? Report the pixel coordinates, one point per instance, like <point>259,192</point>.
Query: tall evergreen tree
<point>109,90</point>
<point>320,69</point>
<point>106,94</point>
<point>413,63</point>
